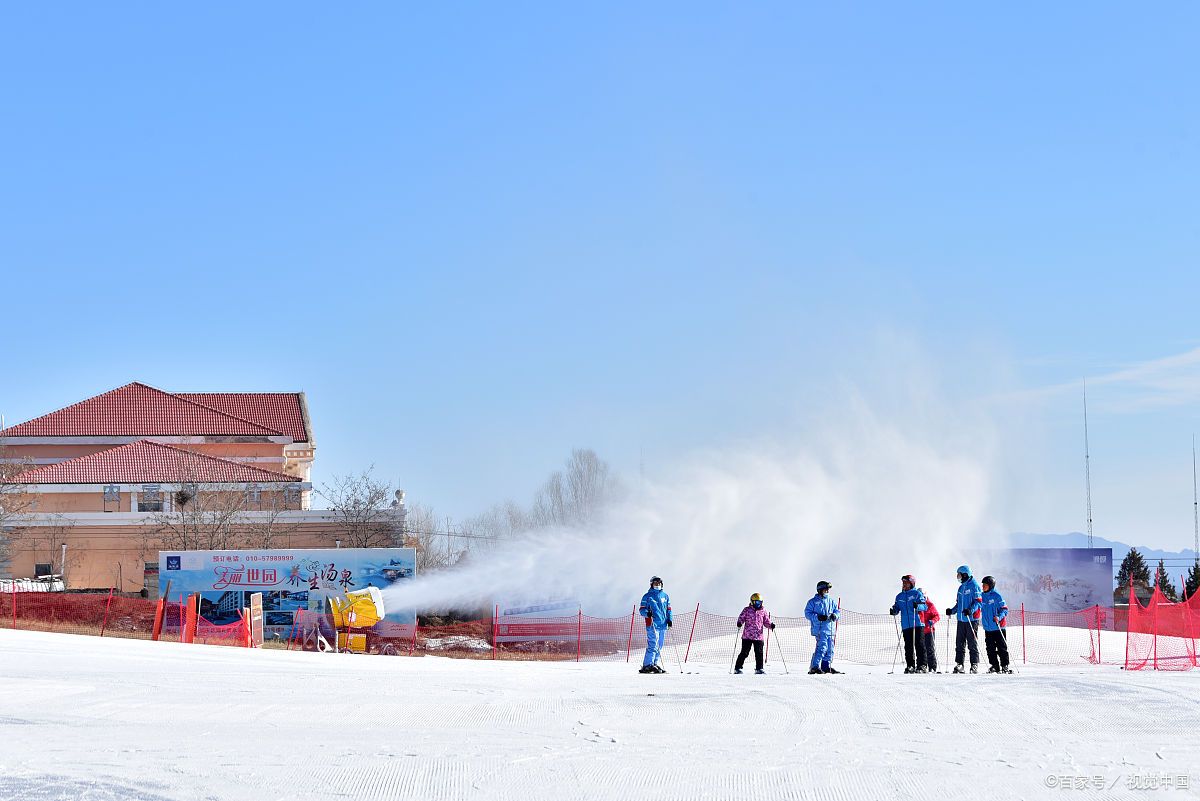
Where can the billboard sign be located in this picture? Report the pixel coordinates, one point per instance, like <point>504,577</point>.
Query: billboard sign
<point>1049,579</point>
<point>290,580</point>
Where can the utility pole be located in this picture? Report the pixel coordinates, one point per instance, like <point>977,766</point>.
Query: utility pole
<point>1087,466</point>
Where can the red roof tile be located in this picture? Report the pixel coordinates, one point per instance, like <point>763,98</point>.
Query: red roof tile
<point>137,410</point>
<point>282,411</point>
<point>153,462</point>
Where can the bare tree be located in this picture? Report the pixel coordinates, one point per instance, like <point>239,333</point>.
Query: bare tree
<point>436,545</point>
<point>364,507</point>
<point>16,499</point>
<point>576,496</point>
<point>45,542</point>
<point>264,525</point>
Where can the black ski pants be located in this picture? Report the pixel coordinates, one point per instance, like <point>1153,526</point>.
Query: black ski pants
<point>930,651</point>
<point>997,649</point>
<point>914,647</point>
<point>745,652</point>
<point>967,638</point>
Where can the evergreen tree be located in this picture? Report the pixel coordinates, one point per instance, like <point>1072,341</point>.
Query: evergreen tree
<point>1163,582</point>
<point>1192,582</point>
<point>1133,567</point>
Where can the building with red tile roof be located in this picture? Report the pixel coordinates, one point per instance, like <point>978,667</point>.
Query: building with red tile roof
<point>107,474</point>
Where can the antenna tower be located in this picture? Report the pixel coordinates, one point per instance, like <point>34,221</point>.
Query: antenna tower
<point>1087,466</point>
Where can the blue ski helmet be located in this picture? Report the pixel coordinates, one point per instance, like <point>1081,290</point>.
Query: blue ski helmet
<point>964,573</point>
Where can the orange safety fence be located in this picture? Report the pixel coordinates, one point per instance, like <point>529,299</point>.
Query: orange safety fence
<point>109,615</point>
<point>1159,635</point>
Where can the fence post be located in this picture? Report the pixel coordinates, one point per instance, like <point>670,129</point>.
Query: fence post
<point>1154,600</point>
<point>107,606</point>
<point>495,616</point>
<point>688,652</point>
<point>1022,633</point>
<point>14,605</point>
<point>416,625</point>
<point>579,637</point>
<point>629,645</point>
<point>1099,657</point>
<point>1128,620</point>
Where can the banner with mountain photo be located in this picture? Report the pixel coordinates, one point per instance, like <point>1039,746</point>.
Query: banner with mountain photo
<point>1049,579</point>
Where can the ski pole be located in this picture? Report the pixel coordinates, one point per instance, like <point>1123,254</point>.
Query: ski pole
<point>896,655</point>
<point>675,645</point>
<point>947,644</point>
<point>779,647</point>
<point>736,636</point>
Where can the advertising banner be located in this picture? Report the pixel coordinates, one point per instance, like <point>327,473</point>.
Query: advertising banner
<point>1049,579</point>
<point>289,580</point>
<point>547,620</point>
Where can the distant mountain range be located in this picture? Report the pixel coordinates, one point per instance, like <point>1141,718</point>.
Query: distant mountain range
<point>1177,562</point>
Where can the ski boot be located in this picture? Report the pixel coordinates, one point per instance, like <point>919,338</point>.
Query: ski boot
<point>974,668</point>
<point>815,671</point>
<point>831,670</point>
<point>922,669</point>
<point>958,668</point>
<point>647,669</point>
<point>658,669</point>
<point>1007,669</point>
<point>759,671</point>
<point>908,670</point>
<point>993,669</point>
<point>737,671</point>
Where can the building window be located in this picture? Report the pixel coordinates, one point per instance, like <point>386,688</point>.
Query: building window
<point>43,569</point>
<point>151,498</point>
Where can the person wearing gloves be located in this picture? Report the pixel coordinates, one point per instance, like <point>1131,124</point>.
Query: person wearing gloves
<point>755,621</point>
<point>994,612</point>
<point>656,609</point>
<point>822,613</point>
<point>930,618</point>
<point>910,603</point>
<point>967,609</point>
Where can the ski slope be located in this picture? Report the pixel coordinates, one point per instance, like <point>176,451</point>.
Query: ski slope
<point>100,719</point>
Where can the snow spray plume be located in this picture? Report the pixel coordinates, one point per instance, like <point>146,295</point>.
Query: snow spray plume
<point>860,506</point>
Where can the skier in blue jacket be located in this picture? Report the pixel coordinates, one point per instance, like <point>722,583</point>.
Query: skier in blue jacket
<point>822,614</point>
<point>656,609</point>
<point>968,609</point>
<point>994,613</point>
<point>910,603</point>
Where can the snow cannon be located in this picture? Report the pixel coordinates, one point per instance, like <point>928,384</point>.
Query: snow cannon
<point>360,609</point>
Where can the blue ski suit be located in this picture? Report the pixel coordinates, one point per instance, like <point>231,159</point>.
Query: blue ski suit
<point>993,607</point>
<point>910,604</point>
<point>656,609</point>
<point>822,629</point>
<point>968,603</point>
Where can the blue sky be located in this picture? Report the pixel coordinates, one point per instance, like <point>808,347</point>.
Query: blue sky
<point>480,236</point>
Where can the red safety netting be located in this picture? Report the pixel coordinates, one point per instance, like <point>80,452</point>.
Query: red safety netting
<point>108,615</point>
<point>1161,635</point>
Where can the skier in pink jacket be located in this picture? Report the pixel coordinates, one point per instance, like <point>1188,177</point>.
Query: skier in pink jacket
<point>753,621</point>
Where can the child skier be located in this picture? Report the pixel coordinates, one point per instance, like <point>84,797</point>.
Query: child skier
<point>967,608</point>
<point>822,613</point>
<point>656,608</point>
<point>930,618</point>
<point>910,603</point>
<point>995,612</point>
<point>755,619</point>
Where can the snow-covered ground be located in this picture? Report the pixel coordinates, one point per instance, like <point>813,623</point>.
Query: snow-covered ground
<point>84,718</point>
